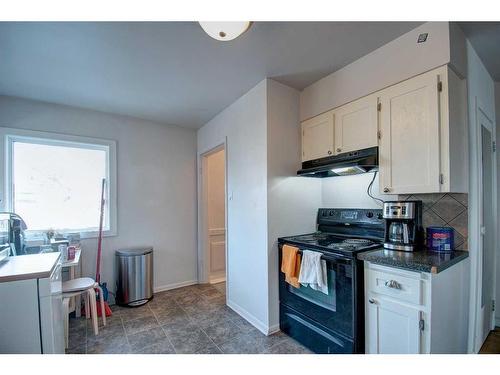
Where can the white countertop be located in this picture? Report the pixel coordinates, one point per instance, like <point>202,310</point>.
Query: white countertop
<point>23,267</point>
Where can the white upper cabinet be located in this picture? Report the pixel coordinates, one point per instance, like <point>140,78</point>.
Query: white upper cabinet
<point>420,126</point>
<point>318,137</point>
<point>356,125</point>
<point>409,149</point>
<point>421,151</point>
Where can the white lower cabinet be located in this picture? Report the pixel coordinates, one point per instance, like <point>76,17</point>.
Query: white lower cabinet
<point>410,312</point>
<point>393,327</point>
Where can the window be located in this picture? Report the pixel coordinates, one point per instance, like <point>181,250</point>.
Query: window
<point>54,181</point>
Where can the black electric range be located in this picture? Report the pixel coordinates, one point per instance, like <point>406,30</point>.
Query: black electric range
<point>333,322</point>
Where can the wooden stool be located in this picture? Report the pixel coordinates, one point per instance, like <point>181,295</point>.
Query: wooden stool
<point>87,286</point>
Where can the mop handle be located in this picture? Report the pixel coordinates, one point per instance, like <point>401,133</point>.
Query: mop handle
<point>99,240</point>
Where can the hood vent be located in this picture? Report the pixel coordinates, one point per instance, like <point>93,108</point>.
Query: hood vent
<point>348,163</point>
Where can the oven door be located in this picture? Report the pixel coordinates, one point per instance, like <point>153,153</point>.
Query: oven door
<point>333,310</point>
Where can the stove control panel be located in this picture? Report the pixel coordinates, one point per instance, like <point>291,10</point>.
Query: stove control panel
<point>348,216</point>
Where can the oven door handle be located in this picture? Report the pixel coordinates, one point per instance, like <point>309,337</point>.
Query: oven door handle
<point>328,256</point>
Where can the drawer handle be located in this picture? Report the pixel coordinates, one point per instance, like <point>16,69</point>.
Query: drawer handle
<point>393,284</point>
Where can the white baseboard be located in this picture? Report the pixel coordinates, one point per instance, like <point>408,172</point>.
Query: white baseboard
<point>217,280</point>
<point>273,329</point>
<point>497,321</point>
<point>264,328</point>
<point>162,288</point>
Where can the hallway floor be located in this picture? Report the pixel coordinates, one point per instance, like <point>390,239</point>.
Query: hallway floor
<point>193,319</point>
<point>492,343</point>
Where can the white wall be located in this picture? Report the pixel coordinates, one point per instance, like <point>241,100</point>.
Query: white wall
<point>243,124</point>
<point>156,183</point>
<point>480,89</point>
<point>350,192</point>
<point>396,61</point>
<point>292,202</point>
<point>263,155</point>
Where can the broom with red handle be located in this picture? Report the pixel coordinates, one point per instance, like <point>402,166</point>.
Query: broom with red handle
<point>107,309</point>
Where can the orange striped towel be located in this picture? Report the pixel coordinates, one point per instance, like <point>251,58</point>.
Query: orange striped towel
<point>290,264</point>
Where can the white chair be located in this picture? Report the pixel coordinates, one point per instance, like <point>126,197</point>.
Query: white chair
<point>87,286</point>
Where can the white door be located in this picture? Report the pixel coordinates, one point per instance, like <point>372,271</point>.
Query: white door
<point>317,137</point>
<point>392,328</point>
<point>356,125</point>
<point>487,248</point>
<point>409,146</point>
<point>216,197</point>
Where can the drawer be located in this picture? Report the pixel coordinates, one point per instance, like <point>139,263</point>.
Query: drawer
<point>398,286</point>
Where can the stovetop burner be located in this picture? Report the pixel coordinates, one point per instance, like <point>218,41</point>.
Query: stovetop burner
<point>347,231</point>
<point>358,241</point>
<point>334,242</point>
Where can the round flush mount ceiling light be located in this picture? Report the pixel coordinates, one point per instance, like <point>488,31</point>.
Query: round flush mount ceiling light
<point>225,31</point>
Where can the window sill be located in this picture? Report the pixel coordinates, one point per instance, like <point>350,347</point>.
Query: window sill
<point>90,235</point>
<point>37,236</point>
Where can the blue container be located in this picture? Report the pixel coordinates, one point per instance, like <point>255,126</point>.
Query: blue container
<point>440,239</point>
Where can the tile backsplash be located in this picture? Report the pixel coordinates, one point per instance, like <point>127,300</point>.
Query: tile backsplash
<point>448,210</point>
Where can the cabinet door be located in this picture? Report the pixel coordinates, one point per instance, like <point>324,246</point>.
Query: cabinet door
<point>392,328</point>
<point>409,148</point>
<point>317,137</point>
<point>356,125</point>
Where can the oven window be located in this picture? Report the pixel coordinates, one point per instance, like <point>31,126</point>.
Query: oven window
<point>327,301</point>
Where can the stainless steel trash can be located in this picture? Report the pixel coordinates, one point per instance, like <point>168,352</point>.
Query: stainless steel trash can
<point>134,284</point>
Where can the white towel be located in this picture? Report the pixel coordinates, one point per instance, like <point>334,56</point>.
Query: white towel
<point>313,271</point>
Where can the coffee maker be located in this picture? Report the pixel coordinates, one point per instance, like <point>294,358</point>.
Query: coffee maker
<point>403,225</point>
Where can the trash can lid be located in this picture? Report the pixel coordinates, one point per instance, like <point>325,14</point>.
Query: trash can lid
<point>134,251</point>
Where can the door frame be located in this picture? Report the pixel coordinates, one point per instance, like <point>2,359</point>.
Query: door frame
<point>475,217</point>
<point>203,243</point>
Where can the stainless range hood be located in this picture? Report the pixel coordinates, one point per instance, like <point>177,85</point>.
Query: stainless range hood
<point>348,163</point>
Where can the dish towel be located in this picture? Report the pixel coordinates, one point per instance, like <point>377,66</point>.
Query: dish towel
<point>313,271</point>
<point>290,264</point>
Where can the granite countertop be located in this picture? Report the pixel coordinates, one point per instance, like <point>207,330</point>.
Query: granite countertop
<point>420,261</point>
<point>24,267</point>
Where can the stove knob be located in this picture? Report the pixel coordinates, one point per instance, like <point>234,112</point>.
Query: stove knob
<point>331,213</point>
<point>369,214</point>
<point>324,213</point>
<point>379,216</point>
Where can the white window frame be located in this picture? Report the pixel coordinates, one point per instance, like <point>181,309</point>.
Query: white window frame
<point>10,135</point>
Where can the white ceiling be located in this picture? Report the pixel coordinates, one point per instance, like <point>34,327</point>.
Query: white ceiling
<point>485,38</point>
<point>172,72</point>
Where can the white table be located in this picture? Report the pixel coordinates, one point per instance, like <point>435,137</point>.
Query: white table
<point>74,267</point>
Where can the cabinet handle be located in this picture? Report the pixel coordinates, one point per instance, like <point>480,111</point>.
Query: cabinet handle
<point>386,190</point>
<point>393,284</point>
<point>339,149</point>
<point>372,301</point>
<point>329,152</point>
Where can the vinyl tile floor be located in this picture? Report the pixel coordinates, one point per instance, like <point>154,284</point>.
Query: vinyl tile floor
<point>191,320</point>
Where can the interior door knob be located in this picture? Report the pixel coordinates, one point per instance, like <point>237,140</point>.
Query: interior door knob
<point>371,300</point>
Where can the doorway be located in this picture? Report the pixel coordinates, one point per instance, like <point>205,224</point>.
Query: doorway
<point>488,218</point>
<point>214,217</point>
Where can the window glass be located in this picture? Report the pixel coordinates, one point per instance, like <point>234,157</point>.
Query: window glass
<point>57,185</point>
